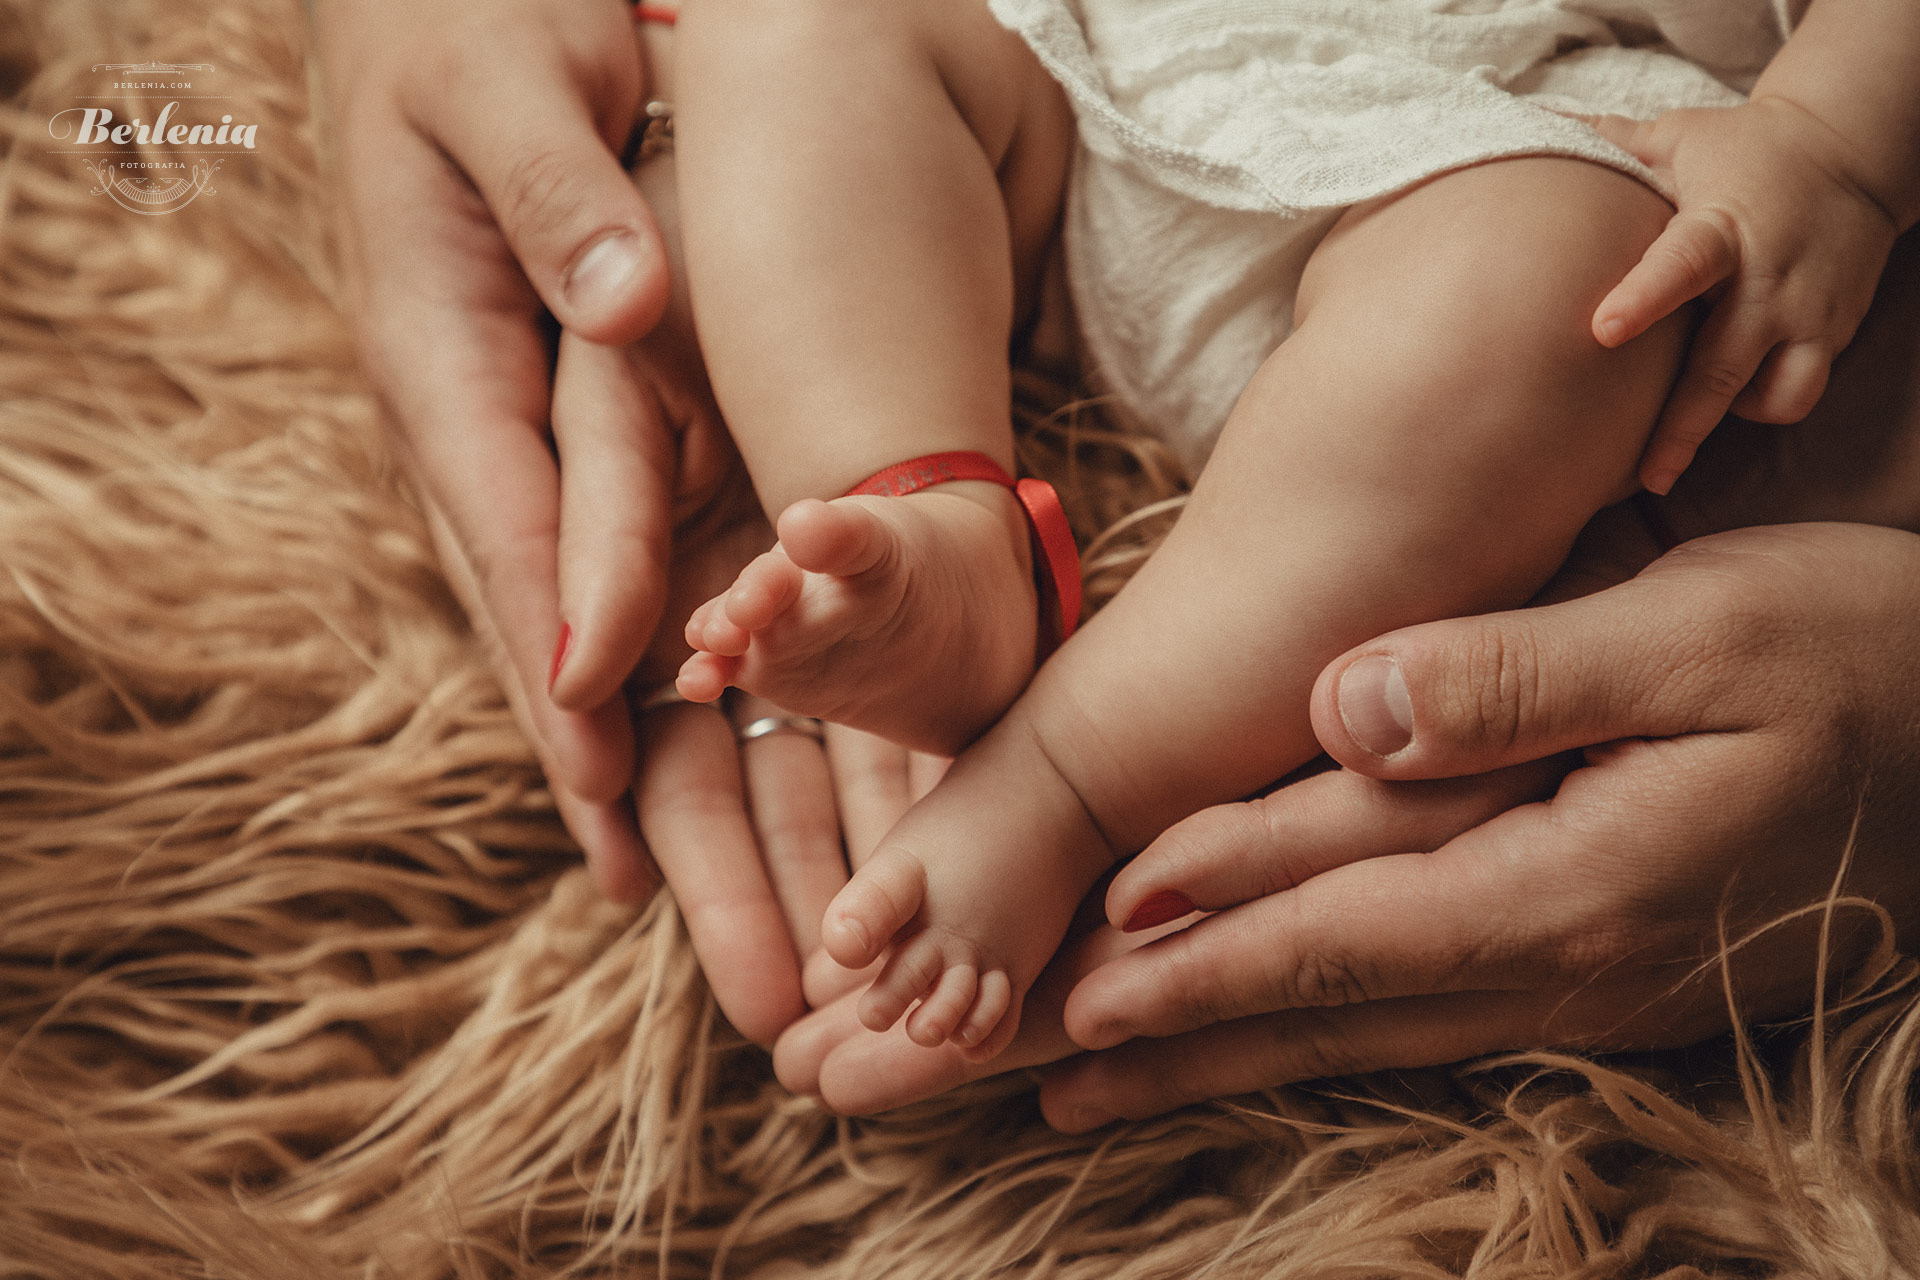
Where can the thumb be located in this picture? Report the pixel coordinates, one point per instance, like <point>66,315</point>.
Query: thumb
<point>1470,695</point>
<point>581,232</point>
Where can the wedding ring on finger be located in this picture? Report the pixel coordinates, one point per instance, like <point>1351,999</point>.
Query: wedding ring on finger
<point>806,726</point>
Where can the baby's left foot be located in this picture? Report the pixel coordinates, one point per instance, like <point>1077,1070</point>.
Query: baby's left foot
<point>969,896</point>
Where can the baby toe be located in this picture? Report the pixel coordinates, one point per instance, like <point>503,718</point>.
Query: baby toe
<point>939,1014</point>
<point>765,589</point>
<point>882,899</point>
<point>696,629</point>
<point>911,972</point>
<point>704,677</point>
<point>840,539</point>
<point>723,636</point>
<point>987,1029</point>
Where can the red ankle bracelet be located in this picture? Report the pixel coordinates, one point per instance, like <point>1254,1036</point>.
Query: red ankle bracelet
<point>1056,561</point>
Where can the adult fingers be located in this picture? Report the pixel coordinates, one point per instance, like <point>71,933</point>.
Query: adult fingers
<point>790,796</point>
<point>1234,853</point>
<point>693,814</point>
<point>1428,930</point>
<point>1147,1077</point>
<point>618,462</point>
<point>1696,251</point>
<point>447,336</point>
<point>874,784</point>
<point>1663,654</point>
<point>549,172</point>
<point>620,865</point>
<point>604,828</point>
<point>503,568</point>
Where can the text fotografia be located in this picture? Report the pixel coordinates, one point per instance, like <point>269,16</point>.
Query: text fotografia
<point>96,127</point>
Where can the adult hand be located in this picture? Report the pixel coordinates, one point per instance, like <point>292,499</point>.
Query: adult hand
<point>476,147</point>
<point>1750,742</point>
<point>1856,458</point>
<point>750,836</point>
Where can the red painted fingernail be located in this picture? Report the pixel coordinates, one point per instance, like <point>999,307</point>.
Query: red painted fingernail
<point>560,654</point>
<point>1158,908</point>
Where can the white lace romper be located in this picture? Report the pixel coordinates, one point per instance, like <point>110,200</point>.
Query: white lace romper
<point>1220,139</point>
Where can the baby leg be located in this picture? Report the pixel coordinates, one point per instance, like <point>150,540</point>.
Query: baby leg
<point>1427,444</point>
<point>866,184</point>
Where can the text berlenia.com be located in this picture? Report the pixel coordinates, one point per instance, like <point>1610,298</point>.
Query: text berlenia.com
<point>154,161</point>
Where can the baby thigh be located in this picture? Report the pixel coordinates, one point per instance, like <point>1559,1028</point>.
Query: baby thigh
<point>1426,444</point>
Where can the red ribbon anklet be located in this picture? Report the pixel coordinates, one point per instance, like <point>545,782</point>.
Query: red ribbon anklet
<point>1056,560</point>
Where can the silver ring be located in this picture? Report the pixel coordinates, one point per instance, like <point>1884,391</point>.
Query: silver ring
<point>765,725</point>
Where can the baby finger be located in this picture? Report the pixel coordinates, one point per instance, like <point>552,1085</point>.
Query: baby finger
<point>1718,369</point>
<point>1697,250</point>
<point>1790,382</point>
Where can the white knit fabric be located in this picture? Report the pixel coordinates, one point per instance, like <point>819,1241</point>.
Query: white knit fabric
<point>1220,139</point>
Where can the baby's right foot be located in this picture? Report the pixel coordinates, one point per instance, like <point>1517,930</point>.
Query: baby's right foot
<point>912,617</point>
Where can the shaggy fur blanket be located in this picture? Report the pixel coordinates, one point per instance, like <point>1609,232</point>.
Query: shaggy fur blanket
<point>300,977</point>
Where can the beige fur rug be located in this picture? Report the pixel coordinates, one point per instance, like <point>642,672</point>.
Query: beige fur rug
<point>299,976</point>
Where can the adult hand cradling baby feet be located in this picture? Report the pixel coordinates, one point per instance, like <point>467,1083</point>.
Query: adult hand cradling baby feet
<point>1416,423</point>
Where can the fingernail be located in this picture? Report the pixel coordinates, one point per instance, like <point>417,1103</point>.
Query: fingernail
<point>1609,332</point>
<point>1375,706</point>
<point>602,274</point>
<point>856,932</point>
<point>1157,908</point>
<point>559,654</point>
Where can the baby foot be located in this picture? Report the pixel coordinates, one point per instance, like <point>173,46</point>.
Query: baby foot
<point>969,897</point>
<point>912,617</point>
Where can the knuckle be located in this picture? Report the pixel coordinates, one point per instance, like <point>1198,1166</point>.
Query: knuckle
<point>1323,980</point>
<point>1198,998</point>
<point>1719,376</point>
<point>1497,691</point>
<point>1272,840</point>
<point>537,188</point>
<point>1701,247</point>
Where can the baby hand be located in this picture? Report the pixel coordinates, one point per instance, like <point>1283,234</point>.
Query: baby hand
<point>1785,242</point>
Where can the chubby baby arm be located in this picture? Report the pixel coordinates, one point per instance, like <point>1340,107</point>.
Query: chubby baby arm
<point>1788,208</point>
